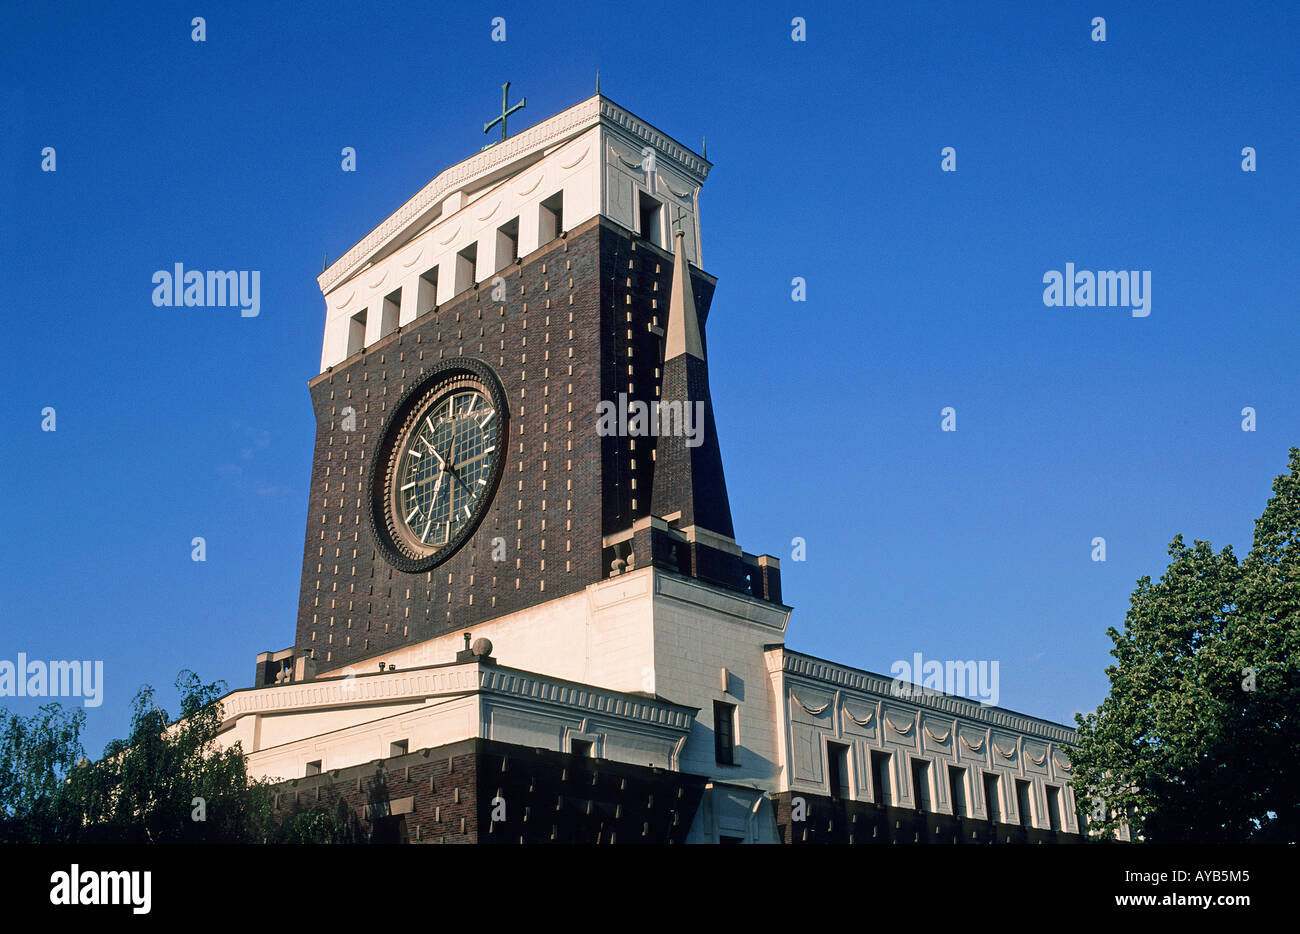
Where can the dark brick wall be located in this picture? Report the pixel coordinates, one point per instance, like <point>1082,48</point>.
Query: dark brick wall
<point>443,782</point>
<point>636,281</point>
<point>542,341</point>
<point>548,797</point>
<point>859,822</point>
<point>559,344</point>
<point>554,797</point>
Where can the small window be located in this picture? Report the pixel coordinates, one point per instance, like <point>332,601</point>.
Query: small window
<point>550,221</point>
<point>507,243</point>
<point>957,787</point>
<point>427,296</point>
<point>651,219</point>
<point>1053,808</point>
<point>357,332</point>
<point>992,799</point>
<point>1022,804</point>
<point>837,769</point>
<point>313,768</point>
<point>724,733</point>
<point>466,264</point>
<point>921,785</point>
<point>392,307</point>
<point>880,777</point>
<point>398,748</point>
<point>389,830</point>
<point>580,748</point>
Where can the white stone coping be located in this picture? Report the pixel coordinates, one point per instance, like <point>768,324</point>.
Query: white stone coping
<point>772,617</point>
<point>832,674</point>
<point>416,684</point>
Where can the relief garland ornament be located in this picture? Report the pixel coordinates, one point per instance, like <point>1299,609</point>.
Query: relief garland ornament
<point>902,731</point>
<point>812,710</point>
<point>966,743</point>
<point>860,722</point>
<point>937,739</point>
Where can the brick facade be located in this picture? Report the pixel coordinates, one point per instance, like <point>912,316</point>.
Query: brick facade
<point>480,791</point>
<point>582,321</point>
<point>841,820</point>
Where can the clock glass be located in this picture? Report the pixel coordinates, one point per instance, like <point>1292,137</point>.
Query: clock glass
<point>442,466</point>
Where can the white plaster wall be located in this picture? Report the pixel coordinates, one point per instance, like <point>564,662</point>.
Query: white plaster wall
<point>600,636</point>
<point>444,720</point>
<point>698,632</point>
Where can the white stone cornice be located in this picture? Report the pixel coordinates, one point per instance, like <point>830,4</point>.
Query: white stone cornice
<point>410,685</point>
<point>696,167</point>
<point>829,673</point>
<point>526,684</point>
<point>416,685</point>
<point>769,617</point>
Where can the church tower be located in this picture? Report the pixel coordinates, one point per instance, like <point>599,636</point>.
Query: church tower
<point>548,279</point>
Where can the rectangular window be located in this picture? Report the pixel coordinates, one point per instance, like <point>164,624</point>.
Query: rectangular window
<point>580,748</point>
<point>651,214</point>
<point>466,263</point>
<point>921,785</point>
<point>398,748</point>
<point>880,777</point>
<point>313,768</point>
<point>391,308</point>
<point>550,221</point>
<point>427,296</point>
<point>357,332</point>
<point>507,243</point>
<point>1053,808</point>
<point>837,769</point>
<point>991,799</point>
<point>957,787</point>
<point>1022,804</point>
<point>724,733</point>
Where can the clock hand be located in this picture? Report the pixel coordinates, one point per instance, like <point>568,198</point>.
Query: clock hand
<point>433,451</point>
<point>465,486</point>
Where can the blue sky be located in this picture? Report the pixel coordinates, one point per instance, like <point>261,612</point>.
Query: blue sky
<point>924,290</point>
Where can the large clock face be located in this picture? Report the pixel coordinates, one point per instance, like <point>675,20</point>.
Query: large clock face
<point>439,463</point>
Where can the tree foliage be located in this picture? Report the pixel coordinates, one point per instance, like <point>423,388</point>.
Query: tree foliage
<point>168,782</point>
<point>36,754</point>
<point>1198,739</point>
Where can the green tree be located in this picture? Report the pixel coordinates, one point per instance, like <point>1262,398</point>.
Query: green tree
<point>36,755</point>
<point>169,782</point>
<point>1197,739</point>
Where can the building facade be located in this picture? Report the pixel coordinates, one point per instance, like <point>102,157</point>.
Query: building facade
<point>524,615</point>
